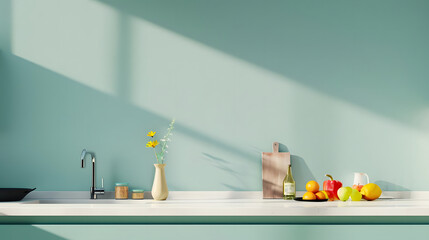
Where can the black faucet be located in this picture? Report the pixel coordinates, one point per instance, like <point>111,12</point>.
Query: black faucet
<point>93,190</point>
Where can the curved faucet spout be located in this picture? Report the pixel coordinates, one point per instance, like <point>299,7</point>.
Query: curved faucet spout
<point>93,190</point>
<point>83,154</point>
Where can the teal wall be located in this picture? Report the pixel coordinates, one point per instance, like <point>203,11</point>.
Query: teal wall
<point>342,84</point>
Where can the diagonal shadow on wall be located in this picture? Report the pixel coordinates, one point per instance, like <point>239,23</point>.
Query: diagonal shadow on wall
<point>53,111</point>
<point>372,54</point>
<point>59,116</point>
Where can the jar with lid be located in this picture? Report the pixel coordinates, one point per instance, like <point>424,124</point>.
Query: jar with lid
<point>121,191</point>
<point>137,194</point>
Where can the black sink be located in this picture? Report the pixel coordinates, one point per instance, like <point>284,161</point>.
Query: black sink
<point>13,194</point>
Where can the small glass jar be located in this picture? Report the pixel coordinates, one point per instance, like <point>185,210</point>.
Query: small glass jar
<point>137,194</point>
<point>121,191</point>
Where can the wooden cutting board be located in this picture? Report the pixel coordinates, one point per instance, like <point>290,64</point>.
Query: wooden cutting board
<point>274,169</point>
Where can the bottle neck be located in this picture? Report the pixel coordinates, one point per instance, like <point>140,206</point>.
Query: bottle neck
<point>289,177</point>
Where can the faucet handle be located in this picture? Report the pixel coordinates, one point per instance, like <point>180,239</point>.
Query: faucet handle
<point>99,191</point>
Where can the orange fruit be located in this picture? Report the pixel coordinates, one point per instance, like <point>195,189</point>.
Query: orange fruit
<point>321,195</point>
<point>312,186</point>
<point>357,187</point>
<point>308,196</point>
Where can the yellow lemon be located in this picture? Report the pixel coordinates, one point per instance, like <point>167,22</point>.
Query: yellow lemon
<point>371,191</point>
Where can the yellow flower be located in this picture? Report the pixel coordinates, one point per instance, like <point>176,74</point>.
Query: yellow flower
<point>152,144</point>
<point>151,134</point>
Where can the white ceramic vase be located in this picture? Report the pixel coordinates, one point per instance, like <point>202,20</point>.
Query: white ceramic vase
<point>159,187</point>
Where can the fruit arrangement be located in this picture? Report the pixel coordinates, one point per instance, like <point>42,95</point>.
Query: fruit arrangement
<point>334,190</point>
<point>313,192</point>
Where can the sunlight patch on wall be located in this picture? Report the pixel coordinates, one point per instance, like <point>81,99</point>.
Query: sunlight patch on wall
<point>72,38</point>
<point>225,106</point>
<point>230,99</point>
<point>423,118</point>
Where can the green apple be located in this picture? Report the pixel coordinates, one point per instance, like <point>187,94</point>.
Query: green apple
<point>356,195</point>
<point>344,193</point>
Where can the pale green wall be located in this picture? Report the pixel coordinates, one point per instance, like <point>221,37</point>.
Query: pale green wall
<point>343,84</point>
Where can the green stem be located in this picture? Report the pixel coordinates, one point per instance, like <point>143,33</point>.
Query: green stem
<point>329,176</point>
<point>156,155</point>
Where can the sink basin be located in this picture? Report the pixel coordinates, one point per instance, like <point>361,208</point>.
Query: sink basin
<point>14,194</point>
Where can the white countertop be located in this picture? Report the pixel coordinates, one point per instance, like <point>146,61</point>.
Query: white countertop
<point>226,204</point>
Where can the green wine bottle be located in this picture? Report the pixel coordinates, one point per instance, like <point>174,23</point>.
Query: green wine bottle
<point>289,191</point>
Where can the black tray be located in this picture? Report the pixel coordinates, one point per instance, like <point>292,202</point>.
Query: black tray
<point>316,200</point>
<point>13,194</point>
